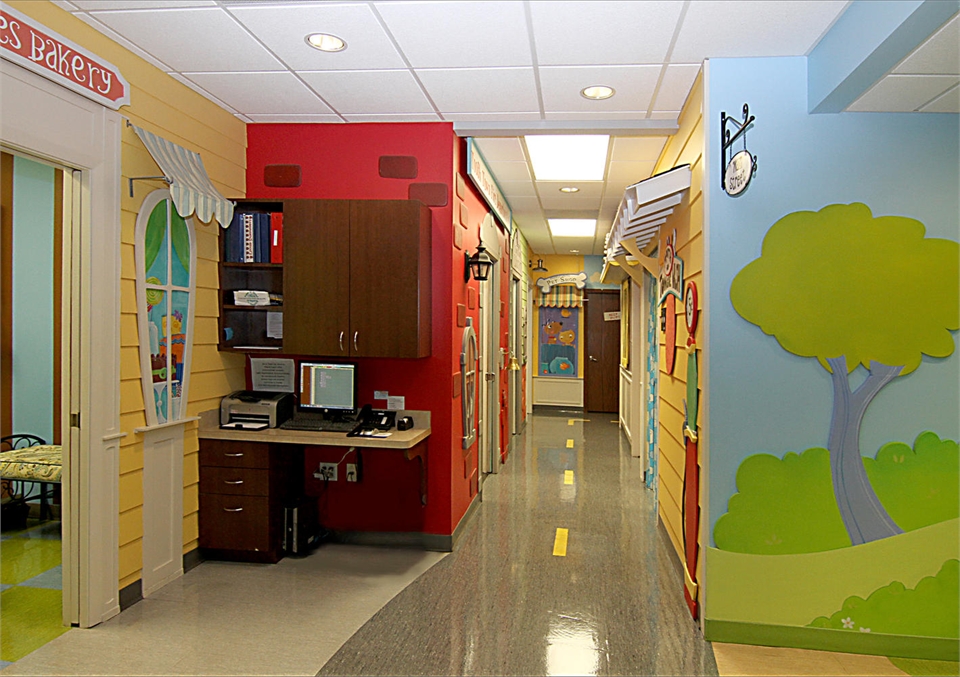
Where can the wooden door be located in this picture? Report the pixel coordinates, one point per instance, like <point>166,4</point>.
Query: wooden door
<point>316,277</point>
<point>602,350</point>
<point>389,278</point>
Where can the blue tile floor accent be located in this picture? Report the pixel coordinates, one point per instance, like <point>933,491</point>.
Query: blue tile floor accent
<point>4,587</point>
<point>51,579</point>
<point>4,664</point>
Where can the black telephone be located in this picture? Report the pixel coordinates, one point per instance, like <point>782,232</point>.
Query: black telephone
<point>373,419</point>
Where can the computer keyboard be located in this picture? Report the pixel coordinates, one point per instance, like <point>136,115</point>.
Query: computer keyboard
<point>318,425</point>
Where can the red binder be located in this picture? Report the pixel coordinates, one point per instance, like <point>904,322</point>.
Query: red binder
<point>276,237</point>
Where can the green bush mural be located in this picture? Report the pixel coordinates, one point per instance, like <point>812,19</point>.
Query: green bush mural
<point>928,610</point>
<point>787,506</point>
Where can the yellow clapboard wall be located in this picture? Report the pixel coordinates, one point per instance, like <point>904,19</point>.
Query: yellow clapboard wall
<point>166,107</point>
<point>685,147</point>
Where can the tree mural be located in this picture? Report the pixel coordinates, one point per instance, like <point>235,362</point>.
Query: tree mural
<point>850,290</point>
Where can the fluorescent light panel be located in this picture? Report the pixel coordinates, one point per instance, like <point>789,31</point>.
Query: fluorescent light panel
<point>573,227</point>
<point>568,157</point>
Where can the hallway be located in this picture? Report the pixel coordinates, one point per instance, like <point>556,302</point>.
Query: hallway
<point>504,604</point>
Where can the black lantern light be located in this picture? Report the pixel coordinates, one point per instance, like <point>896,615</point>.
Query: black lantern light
<point>479,264</point>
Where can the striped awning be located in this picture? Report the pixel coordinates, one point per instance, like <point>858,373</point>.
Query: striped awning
<point>190,186</point>
<point>562,296</point>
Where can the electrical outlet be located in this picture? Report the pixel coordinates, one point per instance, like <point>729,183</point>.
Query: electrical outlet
<point>352,472</point>
<point>327,471</point>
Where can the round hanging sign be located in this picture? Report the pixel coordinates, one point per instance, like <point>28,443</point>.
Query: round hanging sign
<point>692,308</point>
<point>738,174</point>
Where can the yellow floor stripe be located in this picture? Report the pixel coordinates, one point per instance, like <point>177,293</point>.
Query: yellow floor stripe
<point>560,543</point>
<point>569,444</point>
<point>568,477</point>
<point>577,420</point>
<point>571,421</point>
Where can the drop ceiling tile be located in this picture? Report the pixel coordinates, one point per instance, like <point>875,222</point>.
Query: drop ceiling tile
<point>510,171</point>
<point>496,149</point>
<point>561,202</point>
<point>401,117</point>
<point>479,90</point>
<point>201,91</point>
<point>938,55</point>
<point>369,92</point>
<point>750,28</point>
<point>493,117</point>
<point>903,93</point>
<point>368,46</point>
<point>587,188</point>
<point>261,93</point>
<point>634,87</point>
<point>675,86</point>
<point>296,119</point>
<point>93,5</point>
<point>459,34</point>
<point>947,103</point>
<point>574,245</point>
<point>65,5</point>
<point>201,39</point>
<point>612,31</point>
<point>517,188</point>
<point>632,115</point>
<point>122,41</point>
<point>665,115</point>
<point>629,172</point>
<point>637,148</point>
<point>525,205</point>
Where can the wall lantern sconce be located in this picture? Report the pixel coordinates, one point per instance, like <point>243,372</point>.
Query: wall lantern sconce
<point>540,267</point>
<point>479,264</point>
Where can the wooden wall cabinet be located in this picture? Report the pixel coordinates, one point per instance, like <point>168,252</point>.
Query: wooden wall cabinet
<point>357,278</point>
<point>243,488</point>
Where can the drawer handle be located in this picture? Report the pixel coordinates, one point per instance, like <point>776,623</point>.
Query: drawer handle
<point>233,509</point>
<point>233,481</point>
<point>234,455</point>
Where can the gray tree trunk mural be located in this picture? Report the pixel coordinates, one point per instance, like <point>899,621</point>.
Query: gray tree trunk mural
<point>863,515</point>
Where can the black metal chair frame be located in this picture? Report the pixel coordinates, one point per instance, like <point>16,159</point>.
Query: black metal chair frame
<point>17,489</point>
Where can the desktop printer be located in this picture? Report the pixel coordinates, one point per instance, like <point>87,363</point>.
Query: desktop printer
<point>253,406</point>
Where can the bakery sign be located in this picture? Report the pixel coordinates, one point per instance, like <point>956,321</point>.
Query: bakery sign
<point>483,179</point>
<point>35,47</point>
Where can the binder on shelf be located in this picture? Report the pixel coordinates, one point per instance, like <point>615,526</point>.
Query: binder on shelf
<point>232,242</point>
<point>263,238</point>
<point>276,237</point>
<point>248,239</point>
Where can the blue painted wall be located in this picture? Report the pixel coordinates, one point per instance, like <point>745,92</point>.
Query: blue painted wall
<point>33,185</point>
<point>762,398</point>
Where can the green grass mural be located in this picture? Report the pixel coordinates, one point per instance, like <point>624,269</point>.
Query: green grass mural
<point>787,505</point>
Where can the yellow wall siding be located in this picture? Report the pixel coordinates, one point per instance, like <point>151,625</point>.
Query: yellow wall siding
<point>685,147</point>
<point>164,106</point>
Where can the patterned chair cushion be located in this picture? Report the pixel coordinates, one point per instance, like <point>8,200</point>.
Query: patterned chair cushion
<point>42,463</point>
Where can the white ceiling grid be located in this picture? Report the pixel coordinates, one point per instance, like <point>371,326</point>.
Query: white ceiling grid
<point>494,61</point>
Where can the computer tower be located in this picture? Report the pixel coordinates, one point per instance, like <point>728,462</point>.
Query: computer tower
<point>301,530</point>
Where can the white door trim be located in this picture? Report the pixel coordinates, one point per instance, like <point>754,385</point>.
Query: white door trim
<point>41,118</point>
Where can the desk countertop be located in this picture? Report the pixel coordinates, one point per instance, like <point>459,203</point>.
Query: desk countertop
<point>399,439</point>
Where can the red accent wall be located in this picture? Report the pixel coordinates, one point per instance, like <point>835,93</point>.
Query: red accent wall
<point>341,161</point>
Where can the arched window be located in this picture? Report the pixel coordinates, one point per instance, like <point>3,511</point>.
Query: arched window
<point>166,256</point>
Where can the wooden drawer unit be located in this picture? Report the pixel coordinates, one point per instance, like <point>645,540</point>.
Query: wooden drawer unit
<point>243,488</point>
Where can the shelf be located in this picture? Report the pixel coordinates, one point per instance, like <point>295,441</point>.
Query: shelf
<point>235,307</point>
<point>248,349</point>
<point>248,266</point>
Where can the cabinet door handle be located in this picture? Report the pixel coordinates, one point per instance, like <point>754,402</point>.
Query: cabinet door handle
<point>236,455</point>
<point>355,335</point>
<point>341,341</point>
<point>233,481</point>
<point>233,509</point>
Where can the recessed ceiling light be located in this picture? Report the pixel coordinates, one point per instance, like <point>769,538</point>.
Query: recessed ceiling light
<point>597,92</point>
<point>574,251</point>
<point>569,189</point>
<point>568,157</point>
<point>326,42</point>
<point>573,227</point>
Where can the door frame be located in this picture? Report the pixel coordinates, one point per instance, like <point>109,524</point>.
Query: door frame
<point>49,122</point>
<point>489,348</point>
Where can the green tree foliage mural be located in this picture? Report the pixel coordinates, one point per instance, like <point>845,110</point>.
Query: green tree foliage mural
<point>849,289</point>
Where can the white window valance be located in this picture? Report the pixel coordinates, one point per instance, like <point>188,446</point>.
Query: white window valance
<point>190,187</point>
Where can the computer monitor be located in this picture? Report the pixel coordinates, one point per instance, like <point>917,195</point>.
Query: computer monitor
<point>330,388</point>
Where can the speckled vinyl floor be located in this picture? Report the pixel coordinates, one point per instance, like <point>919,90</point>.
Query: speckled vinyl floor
<point>505,604</point>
